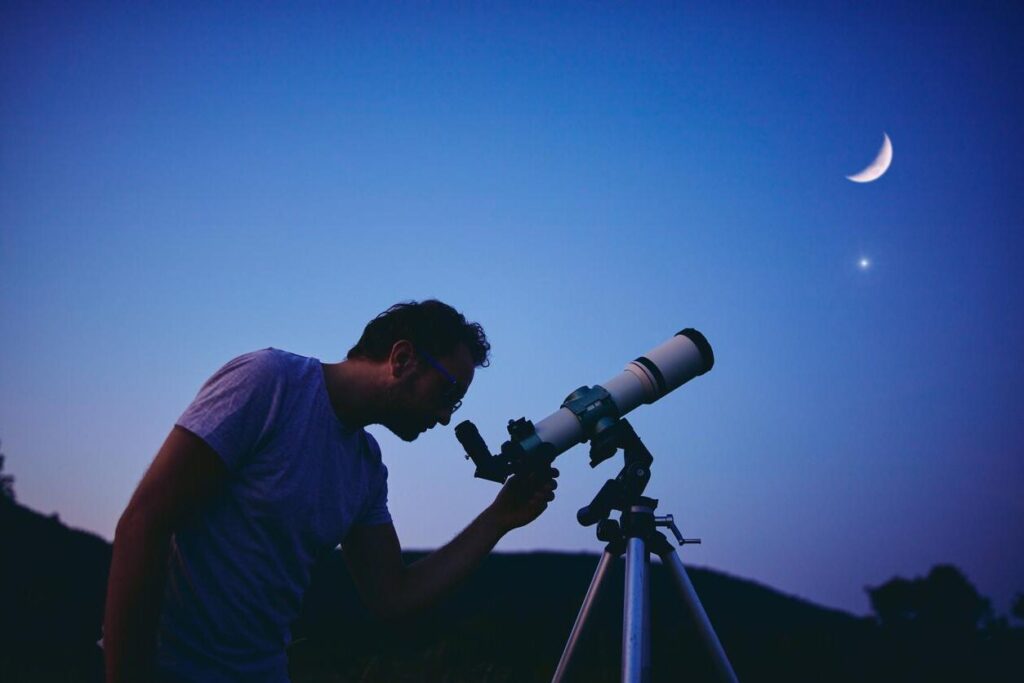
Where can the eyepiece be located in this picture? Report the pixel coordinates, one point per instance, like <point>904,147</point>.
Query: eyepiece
<point>474,444</point>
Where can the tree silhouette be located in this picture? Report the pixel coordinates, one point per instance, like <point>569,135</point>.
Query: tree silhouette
<point>944,601</point>
<point>6,481</point>
<point>934,626</point>
<point>1017,609</point>
<point>897,603</point>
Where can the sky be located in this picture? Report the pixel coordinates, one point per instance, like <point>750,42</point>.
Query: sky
<point>181,183</point>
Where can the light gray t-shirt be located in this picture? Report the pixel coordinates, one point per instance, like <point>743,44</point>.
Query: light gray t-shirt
<point>298,480</point>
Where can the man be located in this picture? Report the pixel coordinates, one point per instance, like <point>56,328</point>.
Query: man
<point>268,469</point>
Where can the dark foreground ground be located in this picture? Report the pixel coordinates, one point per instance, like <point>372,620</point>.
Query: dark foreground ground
<point>507,624</point>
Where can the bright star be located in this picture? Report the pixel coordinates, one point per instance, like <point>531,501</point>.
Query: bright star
<point>864,263</point>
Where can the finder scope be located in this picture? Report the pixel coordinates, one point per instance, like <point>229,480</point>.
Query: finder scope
<point>589,413</point>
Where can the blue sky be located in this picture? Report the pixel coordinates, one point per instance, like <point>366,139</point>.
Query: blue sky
<point>181,184</point>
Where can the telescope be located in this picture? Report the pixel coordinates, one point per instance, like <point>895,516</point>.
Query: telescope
<point>596,414</point>
<point>591,413</point>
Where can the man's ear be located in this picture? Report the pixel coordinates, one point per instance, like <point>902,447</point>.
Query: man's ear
<point>402,360</point>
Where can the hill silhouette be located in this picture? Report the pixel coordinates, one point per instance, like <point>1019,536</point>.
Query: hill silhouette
<point>507,623</point>
<point>52,588</point>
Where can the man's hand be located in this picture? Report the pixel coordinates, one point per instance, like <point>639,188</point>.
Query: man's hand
<point>392,590</point>
<point>523,498</point>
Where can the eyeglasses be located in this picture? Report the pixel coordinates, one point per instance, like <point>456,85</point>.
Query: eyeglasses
<point>454,392</point>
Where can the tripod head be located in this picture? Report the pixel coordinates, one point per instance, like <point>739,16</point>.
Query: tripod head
<point>626,490</point>
<point>625,494</point>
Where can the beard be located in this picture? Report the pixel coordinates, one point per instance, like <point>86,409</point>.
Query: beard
<point>402,420</point>
<point>406,430</point>
<point>406,435</point>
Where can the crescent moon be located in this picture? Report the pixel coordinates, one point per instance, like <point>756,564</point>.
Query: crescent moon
<point>879,166</point>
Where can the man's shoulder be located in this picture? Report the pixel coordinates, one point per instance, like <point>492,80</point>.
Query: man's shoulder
<point>261,359</point>
<point>269,357</point>
<point>265,371</point>
<point>271,361</point>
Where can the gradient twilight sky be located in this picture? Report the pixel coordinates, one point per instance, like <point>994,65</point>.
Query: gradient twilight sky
<point>182,185</point>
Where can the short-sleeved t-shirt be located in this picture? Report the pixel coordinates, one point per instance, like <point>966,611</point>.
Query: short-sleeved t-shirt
<point>298,480</point>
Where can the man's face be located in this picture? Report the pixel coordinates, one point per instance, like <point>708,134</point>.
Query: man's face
<point>423,395</point>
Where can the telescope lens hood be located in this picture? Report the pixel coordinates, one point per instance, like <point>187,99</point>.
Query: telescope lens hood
<point>698,339</point>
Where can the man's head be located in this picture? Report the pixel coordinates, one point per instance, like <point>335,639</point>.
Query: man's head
<point>428,352</point>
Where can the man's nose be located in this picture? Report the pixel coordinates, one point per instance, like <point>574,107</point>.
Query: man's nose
<point>445,418</point>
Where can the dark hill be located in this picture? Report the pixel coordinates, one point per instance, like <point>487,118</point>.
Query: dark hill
<point>507,623</point>
<point>52,588</point>
<point>511,619</point>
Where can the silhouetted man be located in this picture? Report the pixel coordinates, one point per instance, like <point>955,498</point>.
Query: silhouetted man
<point>268,469</point>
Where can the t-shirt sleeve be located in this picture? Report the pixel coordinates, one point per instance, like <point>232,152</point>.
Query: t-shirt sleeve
<point>376,510</point>
<point>233,410</point>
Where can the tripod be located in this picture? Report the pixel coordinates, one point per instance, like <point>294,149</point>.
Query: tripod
<point>636,536</point>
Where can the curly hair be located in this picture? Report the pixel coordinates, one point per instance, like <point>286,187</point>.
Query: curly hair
<point>431,325</point>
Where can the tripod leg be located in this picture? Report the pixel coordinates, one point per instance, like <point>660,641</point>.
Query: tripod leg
<point>588,602</point>
<point>704,628</point>
<point>647,617</point>
<point>634,614</point>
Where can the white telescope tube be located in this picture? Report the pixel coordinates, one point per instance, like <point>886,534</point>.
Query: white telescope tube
<point>662,369</point>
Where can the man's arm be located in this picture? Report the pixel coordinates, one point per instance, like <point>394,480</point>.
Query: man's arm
<point>183,474</point>
<point>392,590</point>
